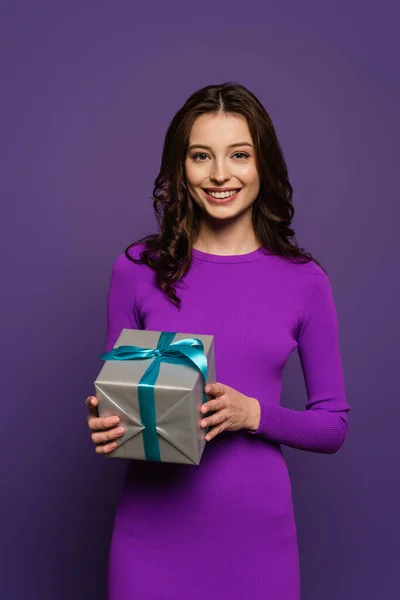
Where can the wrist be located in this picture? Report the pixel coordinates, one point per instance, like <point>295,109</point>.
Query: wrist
<point>255,414</point>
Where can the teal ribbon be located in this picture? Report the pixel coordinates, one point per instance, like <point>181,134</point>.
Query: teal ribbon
<point>187,352</point>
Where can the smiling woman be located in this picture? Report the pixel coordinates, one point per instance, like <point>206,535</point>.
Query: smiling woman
<point>225,177</point>
<point>221,138</point>
<point>226,529</point>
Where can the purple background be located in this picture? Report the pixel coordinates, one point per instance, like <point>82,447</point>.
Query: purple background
<point>88,90</point>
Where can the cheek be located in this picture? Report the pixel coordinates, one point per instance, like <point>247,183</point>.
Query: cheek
<point>194,174</point>
<point>249,175</point>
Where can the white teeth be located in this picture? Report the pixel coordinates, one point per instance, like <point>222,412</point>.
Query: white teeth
<point>222,194</point>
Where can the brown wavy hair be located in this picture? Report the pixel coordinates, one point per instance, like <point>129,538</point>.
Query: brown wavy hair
<point>169,252</point>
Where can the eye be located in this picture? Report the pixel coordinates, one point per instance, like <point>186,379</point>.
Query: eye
<point>242,156</point>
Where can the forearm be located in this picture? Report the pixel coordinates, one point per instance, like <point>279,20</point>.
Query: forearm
<point>312,430</point>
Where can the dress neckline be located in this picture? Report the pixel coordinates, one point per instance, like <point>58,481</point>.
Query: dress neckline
<point>229,258</point>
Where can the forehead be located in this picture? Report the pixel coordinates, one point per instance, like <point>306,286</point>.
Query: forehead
<point>219,129</point>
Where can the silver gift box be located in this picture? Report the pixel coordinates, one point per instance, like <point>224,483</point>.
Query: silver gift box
<point>178,395</point>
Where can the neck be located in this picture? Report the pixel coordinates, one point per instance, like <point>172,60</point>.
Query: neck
<point>224,238</point>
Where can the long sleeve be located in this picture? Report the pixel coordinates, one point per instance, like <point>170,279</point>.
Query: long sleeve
<point>122,311</point>
<point>259,307</point>
<point>323,425</point>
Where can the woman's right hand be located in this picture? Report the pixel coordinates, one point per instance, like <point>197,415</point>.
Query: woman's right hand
<point>104,429</point>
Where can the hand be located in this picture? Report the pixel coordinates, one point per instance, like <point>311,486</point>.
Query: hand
<point>104,428</point>
<point>233,410</point>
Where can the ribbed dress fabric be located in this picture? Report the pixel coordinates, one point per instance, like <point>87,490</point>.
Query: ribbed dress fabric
<point>226,530</point>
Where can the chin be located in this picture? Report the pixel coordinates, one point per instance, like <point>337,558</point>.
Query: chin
<point>220,214</point>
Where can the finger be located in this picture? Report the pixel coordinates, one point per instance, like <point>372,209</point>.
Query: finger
<point>213,405</point>
<point>215,419</point>
<point>101,423</point>
<point>100,449</point>
<point>215,431</point>
<point>94,421</point>
<point>215,389</point>
<point>91,401</point>
<point>101,437</point>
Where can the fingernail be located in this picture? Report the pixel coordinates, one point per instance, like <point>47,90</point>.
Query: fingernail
<point>114,420</point>
<point>119,431</point>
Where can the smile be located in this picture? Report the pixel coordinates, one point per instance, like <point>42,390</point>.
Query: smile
<point>221,197</point>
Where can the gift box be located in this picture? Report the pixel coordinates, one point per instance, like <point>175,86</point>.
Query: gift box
<point>154,381</point>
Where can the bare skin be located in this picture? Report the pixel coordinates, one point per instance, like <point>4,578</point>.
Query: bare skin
<point>104,429</point>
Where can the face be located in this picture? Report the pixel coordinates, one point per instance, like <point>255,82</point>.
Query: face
<point>221,166</point>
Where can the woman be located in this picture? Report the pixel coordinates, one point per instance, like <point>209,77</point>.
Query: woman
<point>225,529</point>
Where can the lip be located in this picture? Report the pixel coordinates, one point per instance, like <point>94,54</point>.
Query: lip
<point>221,200</point>
<point>219,189</point>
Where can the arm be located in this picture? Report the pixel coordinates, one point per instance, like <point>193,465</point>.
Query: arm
<point>121,307</point>
<point>121,313</point>
<point>322,427</point>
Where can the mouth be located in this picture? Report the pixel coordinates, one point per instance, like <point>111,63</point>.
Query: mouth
<point>221,197</point>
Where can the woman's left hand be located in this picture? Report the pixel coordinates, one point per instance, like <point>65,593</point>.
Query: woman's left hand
<point>233,410</point>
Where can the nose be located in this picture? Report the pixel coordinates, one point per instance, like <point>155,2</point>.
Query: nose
<point>219,172</point>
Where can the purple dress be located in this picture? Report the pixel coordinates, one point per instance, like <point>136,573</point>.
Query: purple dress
<point>226,529</point>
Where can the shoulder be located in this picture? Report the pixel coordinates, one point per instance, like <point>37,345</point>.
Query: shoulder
<point>313,275</point>
<point>135,250</point>
<point>137,279</point>
<point>123,264</point>
<point>317,302</point>
<point>312,280</point>
<point>305,274</point>
<point>306,283</point>
<point>303,269</point>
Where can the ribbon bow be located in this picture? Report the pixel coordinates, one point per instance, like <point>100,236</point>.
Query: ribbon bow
<point>187,352</point>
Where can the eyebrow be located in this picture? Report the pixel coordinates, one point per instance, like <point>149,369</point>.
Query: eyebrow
<point>230,146</point>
